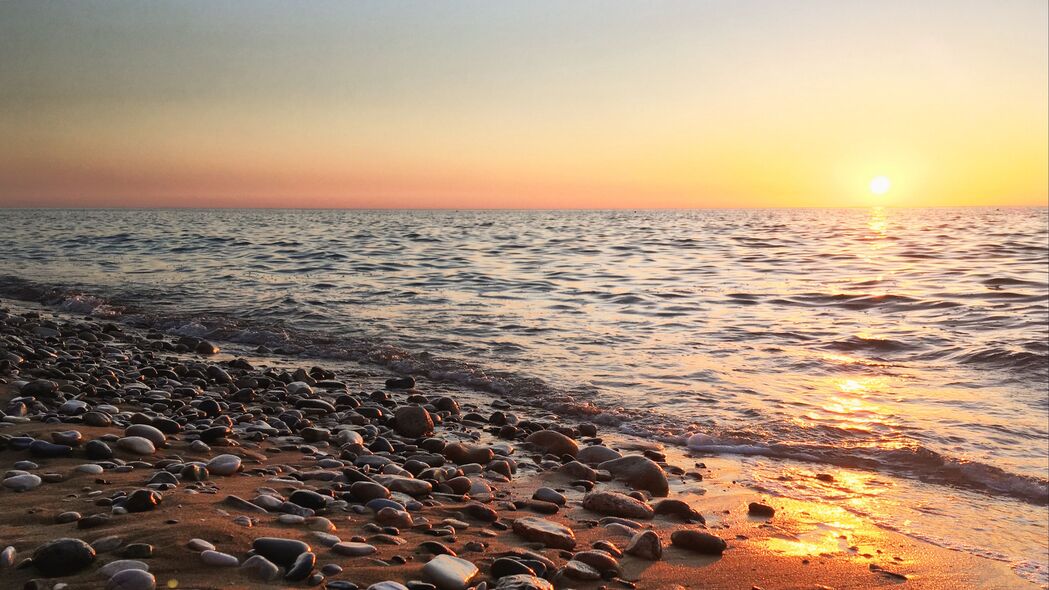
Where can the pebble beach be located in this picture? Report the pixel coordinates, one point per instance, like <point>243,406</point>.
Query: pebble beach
<point>135,460</point>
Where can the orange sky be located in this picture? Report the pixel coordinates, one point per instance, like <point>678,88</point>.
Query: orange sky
<point>585,104</point>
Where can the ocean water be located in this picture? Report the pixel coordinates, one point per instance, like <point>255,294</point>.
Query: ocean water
<point>904,350</point>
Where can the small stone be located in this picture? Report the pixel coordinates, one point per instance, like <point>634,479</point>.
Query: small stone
<point>550,495</point>
<point>640,473</point>
<point>111,568</point>
<point>413,421</point>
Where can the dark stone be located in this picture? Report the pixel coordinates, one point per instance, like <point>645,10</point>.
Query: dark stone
<point>400,383</point>
<point>143,501</point>
<point>63,557</point>
<point>280,551</point>
<point>698,541</point>
<point>301,568</point>
<point>761,510</point>
<point>507,566</point>
<point>97,450</point>
<point>308,499</point>
<point>42,448</point>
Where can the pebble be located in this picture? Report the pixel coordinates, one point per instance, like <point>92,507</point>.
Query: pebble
<point>22,483</point>
<point>224,465</point>
<point>261,568</point>
<point>546,532</point>
<point>645,545</point>
<point>132,579</point>
<point>120,565</point>
<point>137,445</point>
<point>617,504</point>
<point>218,559</point>
<point>352,549</point>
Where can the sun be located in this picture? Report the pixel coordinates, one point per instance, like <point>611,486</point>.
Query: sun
<point>880,185</point>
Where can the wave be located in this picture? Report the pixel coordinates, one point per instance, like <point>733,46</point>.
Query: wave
<point>579,402</point>
<point>919,462</point>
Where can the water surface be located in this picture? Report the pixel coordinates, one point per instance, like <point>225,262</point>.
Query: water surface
<point>906,348</point>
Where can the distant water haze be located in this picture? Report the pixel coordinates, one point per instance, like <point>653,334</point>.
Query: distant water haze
<point>904,350</point>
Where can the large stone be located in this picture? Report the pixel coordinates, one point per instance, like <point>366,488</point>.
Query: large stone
<point>616,504</point>
<point>137,445</point>
<point>645,545</point>
<point>261,568</point>
<point>640,473</point>
<point>449,573</point>
<point>546,532</point>
<point>23,482</point>
<point>63,557</point>
<point>698,542</point>
<point>553,442</point>
<point>596,454</point>
<point>413,421</point>
<point>280,551</point>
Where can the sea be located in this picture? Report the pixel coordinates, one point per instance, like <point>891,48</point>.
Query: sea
<point>902,354</point>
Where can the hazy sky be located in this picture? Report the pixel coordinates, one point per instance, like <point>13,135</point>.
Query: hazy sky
<point>523,104</point>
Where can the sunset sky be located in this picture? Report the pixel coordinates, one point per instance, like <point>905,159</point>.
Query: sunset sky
<point>523,104</point>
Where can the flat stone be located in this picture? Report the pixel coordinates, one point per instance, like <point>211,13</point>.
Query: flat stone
<point>523,582</point>
<point>546,532</point>
<point>111,568</point>
<point>616,504</point>
<point>218,559</point>
<point>350,549</point>
<point>698,542</point>
<point>449,573</point>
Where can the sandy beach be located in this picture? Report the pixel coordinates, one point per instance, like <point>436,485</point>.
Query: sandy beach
<point>464,486</point>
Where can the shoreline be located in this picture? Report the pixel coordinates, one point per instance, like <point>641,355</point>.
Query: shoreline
<point>803,545</point>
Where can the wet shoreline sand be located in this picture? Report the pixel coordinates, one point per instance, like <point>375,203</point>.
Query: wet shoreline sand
<point>804,545</point>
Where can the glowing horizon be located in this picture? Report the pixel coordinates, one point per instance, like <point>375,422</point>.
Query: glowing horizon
<point>522,105</point>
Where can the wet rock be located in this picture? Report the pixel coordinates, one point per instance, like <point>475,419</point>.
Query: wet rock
<point>407,382</point>
<point>413,421</point>
<point>761,510</point>
<point>616,504</point>
<point>678,509</point>
<point>596,454</point>
<point>553,442</point>
<point>578,570</point>
<point>698,542</point>
<point>550,495</point>
<point>640,473</point>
